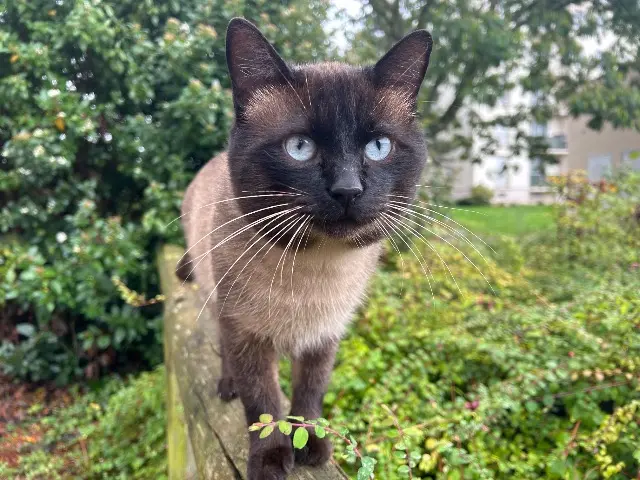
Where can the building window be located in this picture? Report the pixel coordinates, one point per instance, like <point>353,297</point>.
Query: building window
<point>538,177</point>
<point>538,129</point>
<point>502,135</point>
<point>632,159</point>
<point>498,172</point>
<point>598,167</point>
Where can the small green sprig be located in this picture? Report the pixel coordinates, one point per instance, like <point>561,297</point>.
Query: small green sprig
<point>321,428</point>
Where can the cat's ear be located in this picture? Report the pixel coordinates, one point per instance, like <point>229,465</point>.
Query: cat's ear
<point>253,63</point>
<point>404,66</point>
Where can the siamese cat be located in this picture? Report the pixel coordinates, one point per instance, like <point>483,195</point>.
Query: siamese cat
<point>283,230</point>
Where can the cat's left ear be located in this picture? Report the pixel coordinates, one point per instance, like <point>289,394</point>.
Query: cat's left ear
<point>404,66</point>
<point>253,62</point>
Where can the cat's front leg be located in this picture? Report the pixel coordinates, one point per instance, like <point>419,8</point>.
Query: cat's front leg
<point>311,373</point>
<point>254,369</point>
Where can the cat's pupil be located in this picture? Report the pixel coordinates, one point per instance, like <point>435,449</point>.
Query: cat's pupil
<point>300,144</point>
<point>378,145</point>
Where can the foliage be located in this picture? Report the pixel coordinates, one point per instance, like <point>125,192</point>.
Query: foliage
<point>515,220</point>
<point>107,110</point>
<point>321,427</point>
<point>118,431</point>
<point>509,385</point>
<point>480,195</point>
<point>543,51</point>
<point>506,386</point>
<point>598,224</point>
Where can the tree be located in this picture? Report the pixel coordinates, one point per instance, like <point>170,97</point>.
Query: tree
<point>612,94</point>
<point>486,47</point>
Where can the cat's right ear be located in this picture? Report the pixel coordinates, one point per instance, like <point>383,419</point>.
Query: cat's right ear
<point>404,66</point>
<point>253,62</point>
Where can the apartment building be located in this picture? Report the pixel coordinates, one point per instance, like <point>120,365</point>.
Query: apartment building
<point>521,180</point>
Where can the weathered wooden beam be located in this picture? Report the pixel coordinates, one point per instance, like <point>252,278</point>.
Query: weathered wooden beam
<point>207,438</point>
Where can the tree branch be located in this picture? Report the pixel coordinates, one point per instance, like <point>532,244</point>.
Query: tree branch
<point>466,79</point>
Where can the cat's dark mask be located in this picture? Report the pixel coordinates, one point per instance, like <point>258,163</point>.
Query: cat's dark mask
<point>342,138</point>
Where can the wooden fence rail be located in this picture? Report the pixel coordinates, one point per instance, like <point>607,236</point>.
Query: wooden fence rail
<point>207,438</point>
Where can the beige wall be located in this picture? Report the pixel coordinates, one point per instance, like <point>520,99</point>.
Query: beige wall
<point>584,142</point>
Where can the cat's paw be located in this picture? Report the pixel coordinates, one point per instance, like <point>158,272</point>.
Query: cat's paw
<point>226,389</point>
<point>270,458</point>
<point>316,452</point>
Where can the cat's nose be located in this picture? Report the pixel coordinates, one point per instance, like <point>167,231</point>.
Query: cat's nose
<point>346,188</point>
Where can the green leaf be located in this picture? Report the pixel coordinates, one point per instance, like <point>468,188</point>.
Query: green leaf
<point>285,427</point>
<point>254,428</point>
<point>300,438</point>
<point>403,469</point>
<point>266,418</point>
<point>320,431</point>
<point>531,406</point>
<point>363,474</point>
<point>266,431</point>
<point>26,329</point>
<point>298,419</point>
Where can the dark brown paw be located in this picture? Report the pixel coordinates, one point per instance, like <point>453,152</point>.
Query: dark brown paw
<point>270,458</point>
<point>226,390</point>
<point>316,452</point>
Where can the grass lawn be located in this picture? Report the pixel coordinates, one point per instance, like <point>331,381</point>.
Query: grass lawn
<point>514,221</point>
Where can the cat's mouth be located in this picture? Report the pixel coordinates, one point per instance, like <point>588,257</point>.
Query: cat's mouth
<point>346,227</point>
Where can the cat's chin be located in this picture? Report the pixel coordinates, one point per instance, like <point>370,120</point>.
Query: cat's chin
<point>352,232</point>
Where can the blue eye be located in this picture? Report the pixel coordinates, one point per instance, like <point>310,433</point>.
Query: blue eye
<point>300,148</point>
<point>378,149</point>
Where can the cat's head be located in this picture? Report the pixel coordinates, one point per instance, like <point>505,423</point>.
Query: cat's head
<point>343,140</point>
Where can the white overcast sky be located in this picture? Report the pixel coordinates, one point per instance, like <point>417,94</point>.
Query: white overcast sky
<point>352,7</point>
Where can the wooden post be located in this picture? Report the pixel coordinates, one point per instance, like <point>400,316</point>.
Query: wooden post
<point>207,438</point>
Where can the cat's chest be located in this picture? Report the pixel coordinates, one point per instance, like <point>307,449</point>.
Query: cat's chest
<point>302,305</point>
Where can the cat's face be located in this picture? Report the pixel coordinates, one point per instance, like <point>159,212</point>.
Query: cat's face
<point>340,139</point>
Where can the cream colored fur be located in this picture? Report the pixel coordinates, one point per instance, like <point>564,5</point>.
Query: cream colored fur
<point>296,313</point>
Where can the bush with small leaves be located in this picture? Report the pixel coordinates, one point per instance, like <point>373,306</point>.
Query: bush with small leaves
<point>108,109</point>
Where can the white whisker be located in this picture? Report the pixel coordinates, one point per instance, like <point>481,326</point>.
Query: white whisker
<point>456,248</point>
<point>275,270</point>
<point>228,222</point>
<point>271,243</point>
<point>405,204</point>
<point>293,263</point>
<point>424,240</point>
<point>391,222</point>
<point>386,233</point>
<point>238,232</point>
<point>279,194</point>
<point>282,224</point>
<point>222,278</point>
<point>394,205</point>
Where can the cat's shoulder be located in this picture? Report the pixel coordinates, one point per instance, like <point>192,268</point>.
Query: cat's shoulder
<point>212,179</point>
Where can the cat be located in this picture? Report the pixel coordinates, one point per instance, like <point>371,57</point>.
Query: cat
<point>283,230</point>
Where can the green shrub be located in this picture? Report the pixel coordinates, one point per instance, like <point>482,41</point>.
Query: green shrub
<point>540,380</point>
<point>108,109</point>
<point>480,195</point>
<point>598,224</point>
<point>117,431</point>
<point>496,386</point>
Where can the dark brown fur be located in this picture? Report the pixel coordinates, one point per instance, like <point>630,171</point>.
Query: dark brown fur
<point>302,309</point>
